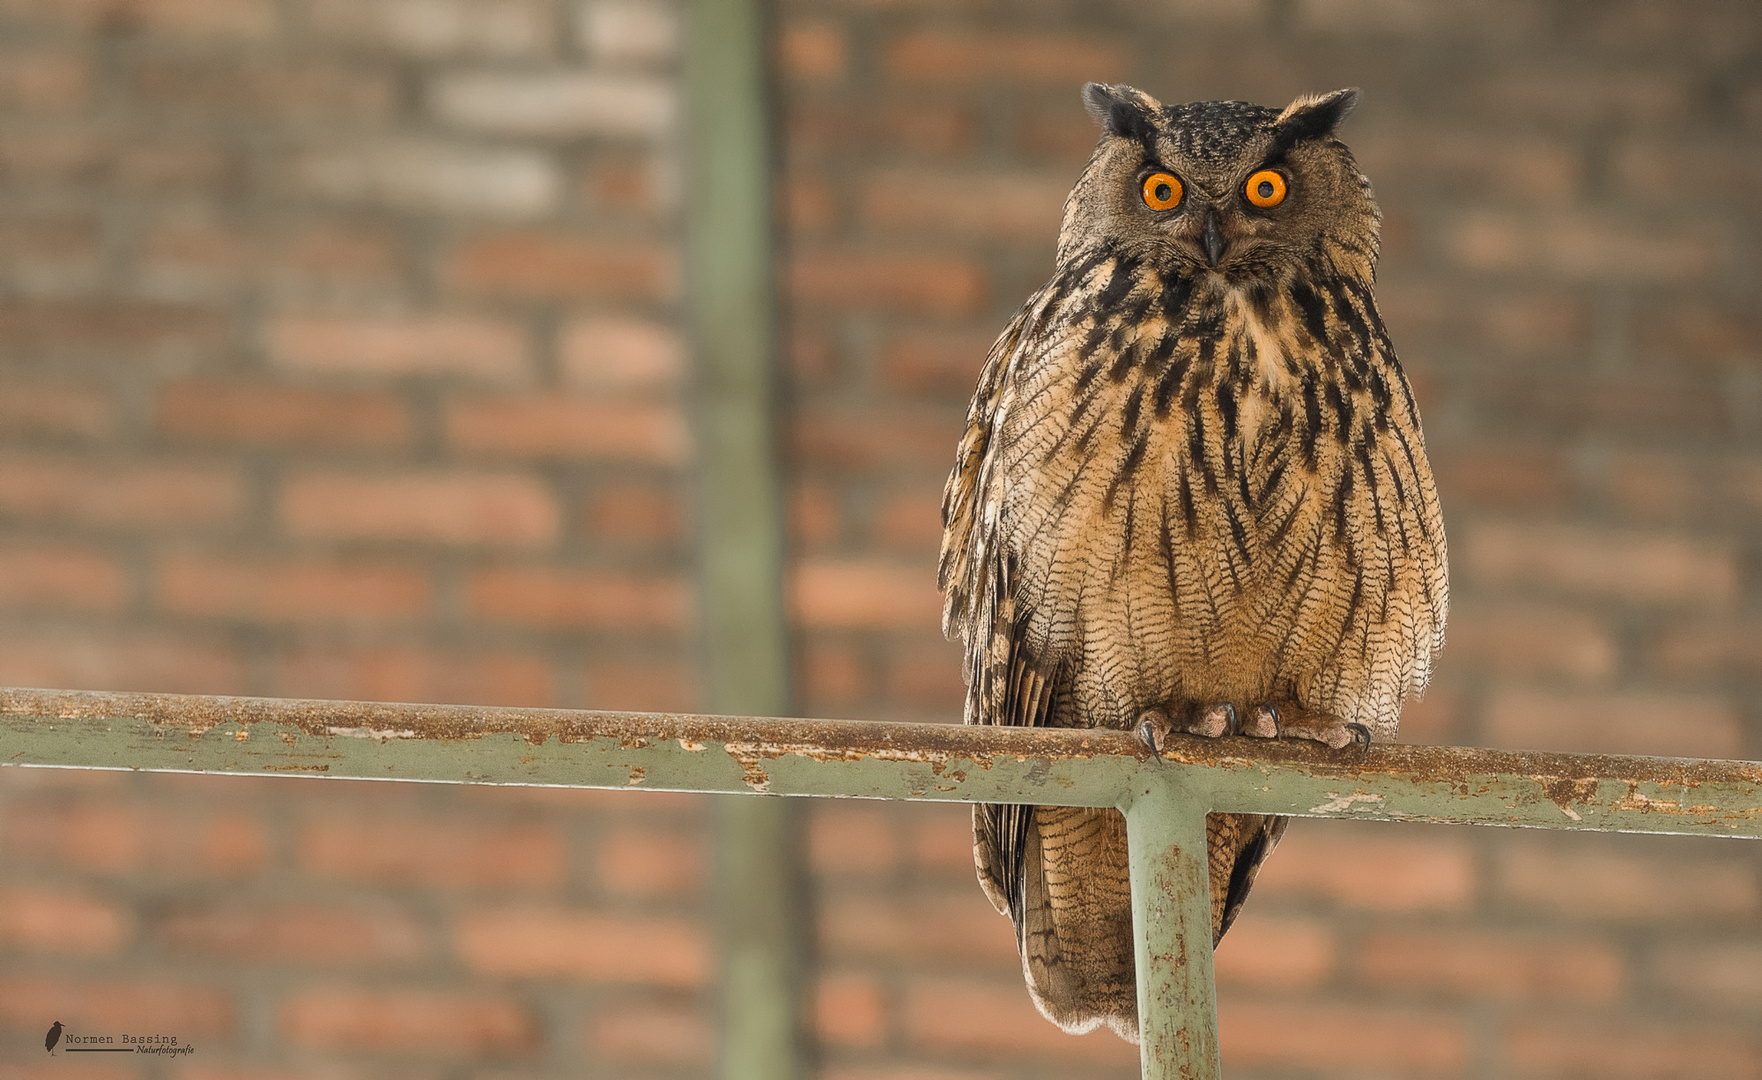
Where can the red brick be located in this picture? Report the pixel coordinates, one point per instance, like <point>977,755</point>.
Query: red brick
<point>583,599</point>
<point>136,330</point>
<point>1584,249</point>
<point>1668,489</point>
<point>200,258</point>
<point>1586,882</point>
<point>1433,719</point>
<point>956,57</point>
<point>1671,724</point>
<point>1503,165</point>
<point>542,266</point>
<point>266,414</point>
<point>940,838</point>
<point>815,519</point>
<point>290,590</point>
<point>259,933</point>
<point>632,186</point>
<point>418,1022</point>
<point>637,684</point>
<point>866,594</point>
<point>928,677</point>
<point>1627,1049</point>
<point>1503,477</point>
<point>959,931</point>
<point>62,921</point>
<point>33,407</point>
<point>1530,640</point>
<point>434,851</point>
<point>569,427</point>
<point>1577,96</point>
<point>51,254</point>
<point>553,103</point>
<point>443,507</point>
<point>632,355</point>
<point>831,678</point>
<point>996,1020</point>
<point>217,87</point>
<point>851,840</point>
<point>112,1006</point>
<point>876,281</point>
<point>1000,205</point>
<point>42,78</point>
<point>810,205</point>
<point>132,838</point>
<point>1722,974</point>
<point>528,942</point>
<point>635,514</point>
<point>1373,868</point>
<point>926,128</point>
<point>812,50</point>
<point>389,346</point>
<point>849,1010</point>
<point>652,1035</point>
<point>60,577</point>
<point>395,673</point>
<point>1547,319</point>
<point>1341,1039</point>
<point>437,28</point>
<point>911,520</point>
<point>134,493</point>
<point>1698,332</point>
<point>1276,952</point>
<point>116,660</point>
<point>1591,561</point>
<point>1484,964</point>
<point>945,363</point>
<point>877,438</point>
<point>906,1072</point>
<point>1705,648</point>
<point>649,862</point>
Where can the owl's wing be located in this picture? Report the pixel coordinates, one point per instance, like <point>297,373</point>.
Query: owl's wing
<point>1004,685</point>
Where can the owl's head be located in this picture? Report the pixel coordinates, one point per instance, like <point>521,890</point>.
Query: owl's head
<point>1243,192</point>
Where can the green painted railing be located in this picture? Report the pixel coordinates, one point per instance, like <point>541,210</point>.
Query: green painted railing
<point>1165,799</point>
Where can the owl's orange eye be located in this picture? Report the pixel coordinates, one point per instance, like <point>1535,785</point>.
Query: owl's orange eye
<point>1265,188</point>
<point>1161,191</point>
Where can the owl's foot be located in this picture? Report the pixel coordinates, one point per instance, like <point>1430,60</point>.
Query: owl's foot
<point>1155,727</point>
<point>1336,734</point>
<point>1262,722</point>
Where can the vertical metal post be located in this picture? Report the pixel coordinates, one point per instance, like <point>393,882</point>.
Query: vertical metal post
<point>731,302</point>
<point>1171,928</point>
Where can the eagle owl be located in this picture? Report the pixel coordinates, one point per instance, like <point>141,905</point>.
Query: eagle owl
<point>1192,496</point>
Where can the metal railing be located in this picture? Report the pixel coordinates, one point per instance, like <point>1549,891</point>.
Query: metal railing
<point>1164,799</point>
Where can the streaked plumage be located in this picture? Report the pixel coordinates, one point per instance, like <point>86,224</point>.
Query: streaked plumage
<point>1192,476</point>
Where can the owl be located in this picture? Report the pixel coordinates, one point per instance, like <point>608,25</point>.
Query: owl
<point>1192,496</point>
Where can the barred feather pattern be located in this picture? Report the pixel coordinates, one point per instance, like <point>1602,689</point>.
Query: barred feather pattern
<point>1175,490</point>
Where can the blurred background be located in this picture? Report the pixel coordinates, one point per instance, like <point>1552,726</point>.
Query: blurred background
<point>342,355</point>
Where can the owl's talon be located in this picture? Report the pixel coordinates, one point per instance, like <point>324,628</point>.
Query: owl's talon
<point>1153,730</point>
<point>1360,735</point>
<point>1262,722</point>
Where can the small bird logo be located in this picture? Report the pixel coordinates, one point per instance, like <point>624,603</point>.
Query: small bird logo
<point>52,1038</point>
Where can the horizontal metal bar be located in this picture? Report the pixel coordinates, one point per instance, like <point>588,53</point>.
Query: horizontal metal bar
<point>468,744</point>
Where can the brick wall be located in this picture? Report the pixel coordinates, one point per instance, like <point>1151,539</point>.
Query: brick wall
<point>339,356</point>
<point>1570,272</point>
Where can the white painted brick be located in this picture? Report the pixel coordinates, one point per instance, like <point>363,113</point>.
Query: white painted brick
<point>434,177</point>
<point>440,27</point>
<point>629,30</point>
<point>557,103</point>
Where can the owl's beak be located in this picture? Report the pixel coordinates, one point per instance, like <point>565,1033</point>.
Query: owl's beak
<point>1213,238</point>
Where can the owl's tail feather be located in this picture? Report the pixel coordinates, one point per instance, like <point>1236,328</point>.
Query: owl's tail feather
<point>1075,929</point>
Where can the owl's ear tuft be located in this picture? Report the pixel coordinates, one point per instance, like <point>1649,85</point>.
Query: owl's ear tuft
<point>1315,116</point>
<point>1122,110</point>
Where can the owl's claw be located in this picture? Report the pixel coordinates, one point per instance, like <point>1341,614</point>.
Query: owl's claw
<point>1215,721</point>
<point>1361,736</point>
<point>1153,730</point>
<point>1262,722</point>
